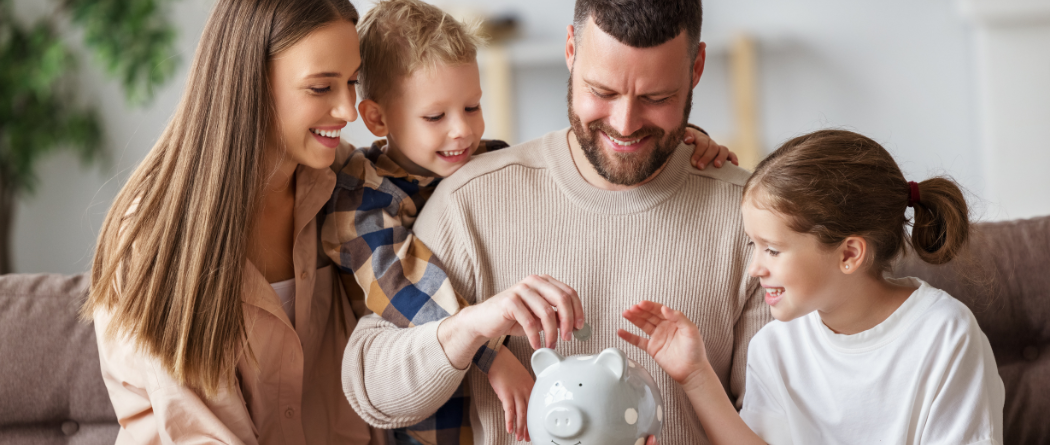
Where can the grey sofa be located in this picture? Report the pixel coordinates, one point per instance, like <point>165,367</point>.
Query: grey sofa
<point>51,389</point>
<point>1013,311</point>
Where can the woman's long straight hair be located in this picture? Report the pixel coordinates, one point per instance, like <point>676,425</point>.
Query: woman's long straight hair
<point>172,250</point>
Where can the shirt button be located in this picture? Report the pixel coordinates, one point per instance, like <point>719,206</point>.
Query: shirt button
<point>289,413</point>
<point>70,427</point>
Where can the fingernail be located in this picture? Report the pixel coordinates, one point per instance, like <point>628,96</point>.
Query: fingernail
<point>718,163</point>
<point>700,165</point>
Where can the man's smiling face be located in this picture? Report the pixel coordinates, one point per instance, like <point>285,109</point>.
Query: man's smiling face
<point>628,106</point>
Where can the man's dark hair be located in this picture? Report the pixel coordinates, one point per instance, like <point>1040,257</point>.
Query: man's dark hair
<point>643,23</point>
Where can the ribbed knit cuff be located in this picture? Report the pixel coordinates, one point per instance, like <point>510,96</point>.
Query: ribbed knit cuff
<point>434,359</point>
<point>487,354</point>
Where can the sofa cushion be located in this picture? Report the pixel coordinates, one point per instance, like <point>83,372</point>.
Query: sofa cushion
<point>1013,309</point>
<point>51,388</point>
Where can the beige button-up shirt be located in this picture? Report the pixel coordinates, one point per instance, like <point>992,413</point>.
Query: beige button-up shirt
<point>291,394</point>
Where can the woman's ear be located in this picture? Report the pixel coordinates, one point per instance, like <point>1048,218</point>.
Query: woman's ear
<point>374,117</point>
<point>852,253</point>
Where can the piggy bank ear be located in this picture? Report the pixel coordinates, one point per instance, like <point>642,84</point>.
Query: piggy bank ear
<point>615,360</point>
<point>544,358</point>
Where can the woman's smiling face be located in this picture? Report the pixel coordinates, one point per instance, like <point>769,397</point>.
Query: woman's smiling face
<point>313,84</point>
<point>795,269</point>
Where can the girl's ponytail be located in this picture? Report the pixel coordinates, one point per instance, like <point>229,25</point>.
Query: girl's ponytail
<point>942,224</point>
<point>835,184</point>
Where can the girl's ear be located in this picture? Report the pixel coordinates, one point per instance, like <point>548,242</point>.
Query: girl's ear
<point>374,117</point>
<point>852,253</point>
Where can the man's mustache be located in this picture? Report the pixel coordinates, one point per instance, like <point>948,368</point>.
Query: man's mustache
<point>641,133</point>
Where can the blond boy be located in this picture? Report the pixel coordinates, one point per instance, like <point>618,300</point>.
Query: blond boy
<point>420,90</point>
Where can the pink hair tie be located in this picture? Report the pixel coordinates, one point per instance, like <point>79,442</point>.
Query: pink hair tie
<point>913,196</point>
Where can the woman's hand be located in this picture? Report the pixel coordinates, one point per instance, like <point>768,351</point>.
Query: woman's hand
<point>674,341</point>
<point>707,151</point>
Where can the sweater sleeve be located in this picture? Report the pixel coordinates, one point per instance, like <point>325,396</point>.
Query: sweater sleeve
<point>396,377</point>
<point>365,233</point>
<point>443,226</point>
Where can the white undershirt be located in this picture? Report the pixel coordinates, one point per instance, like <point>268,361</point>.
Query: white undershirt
<point>286,293</point>
<point>925,375</point>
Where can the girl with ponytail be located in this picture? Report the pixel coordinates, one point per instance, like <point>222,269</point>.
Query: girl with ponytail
<point>854,356</point>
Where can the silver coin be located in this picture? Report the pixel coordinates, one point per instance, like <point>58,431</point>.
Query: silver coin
<point>582,334</point>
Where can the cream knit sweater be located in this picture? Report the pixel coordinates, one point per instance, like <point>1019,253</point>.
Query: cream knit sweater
<point>677,240</point>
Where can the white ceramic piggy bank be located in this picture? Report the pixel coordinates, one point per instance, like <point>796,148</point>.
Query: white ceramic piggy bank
<point>604,399</point>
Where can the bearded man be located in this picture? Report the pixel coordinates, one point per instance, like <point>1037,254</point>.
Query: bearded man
<point>610,207</point>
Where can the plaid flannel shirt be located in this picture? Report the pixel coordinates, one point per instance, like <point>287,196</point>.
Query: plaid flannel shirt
<point>366,231</point>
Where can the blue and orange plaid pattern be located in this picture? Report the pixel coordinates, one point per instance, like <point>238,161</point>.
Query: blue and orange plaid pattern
<point>366,230</point>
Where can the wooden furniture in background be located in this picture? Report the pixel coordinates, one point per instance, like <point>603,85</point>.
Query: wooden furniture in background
<point>743,84</point>
<point>499,60</point>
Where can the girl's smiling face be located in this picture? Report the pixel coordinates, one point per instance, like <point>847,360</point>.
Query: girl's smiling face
<point>798,272</point>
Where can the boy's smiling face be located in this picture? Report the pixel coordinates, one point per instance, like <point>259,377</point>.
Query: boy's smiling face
<point>432,119</point>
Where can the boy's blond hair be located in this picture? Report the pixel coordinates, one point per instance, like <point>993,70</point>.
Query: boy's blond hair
<point>399,37</point>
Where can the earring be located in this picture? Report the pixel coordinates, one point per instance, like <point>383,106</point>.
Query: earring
<point>847,267</point>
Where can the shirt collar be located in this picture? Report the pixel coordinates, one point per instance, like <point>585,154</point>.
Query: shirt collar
<point>313,188</point>
<point>386,167</point>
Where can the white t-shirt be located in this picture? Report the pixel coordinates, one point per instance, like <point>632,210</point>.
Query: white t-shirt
<point>925,375</point>
<point>286,293</point>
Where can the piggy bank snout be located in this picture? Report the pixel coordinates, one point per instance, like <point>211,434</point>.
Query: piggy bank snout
<point>564,422</point>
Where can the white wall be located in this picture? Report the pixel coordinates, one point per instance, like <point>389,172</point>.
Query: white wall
<point>55,229</point>
<point>900,71</point>
<point>1013,50</point>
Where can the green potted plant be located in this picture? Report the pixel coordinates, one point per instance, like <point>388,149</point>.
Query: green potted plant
<point>39,111</point>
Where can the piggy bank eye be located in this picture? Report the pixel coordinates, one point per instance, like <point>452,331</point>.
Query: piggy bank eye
<point>581,384</point>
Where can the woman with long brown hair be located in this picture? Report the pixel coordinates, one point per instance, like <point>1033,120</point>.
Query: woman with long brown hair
<point>217,320</point>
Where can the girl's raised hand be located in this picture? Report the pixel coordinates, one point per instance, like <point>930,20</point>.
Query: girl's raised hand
<point>707,151</point>
<point>674,341</point>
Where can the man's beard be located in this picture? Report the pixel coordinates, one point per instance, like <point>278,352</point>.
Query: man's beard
<point>627,168</point>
